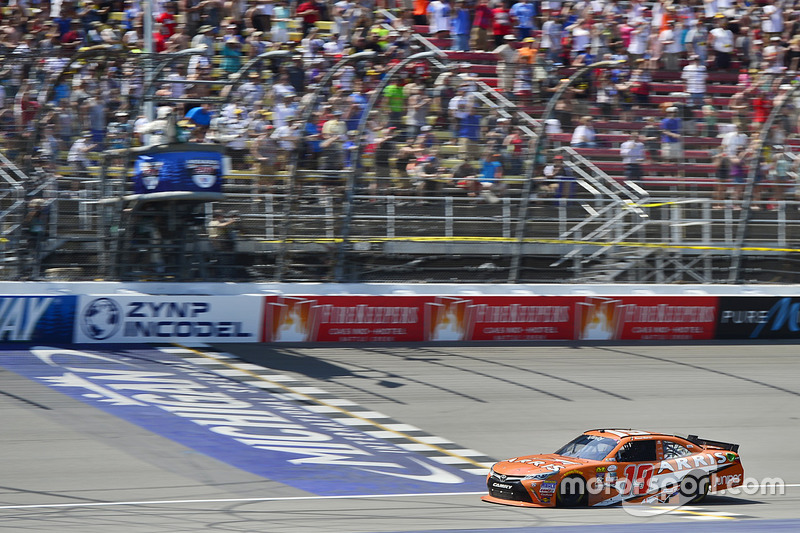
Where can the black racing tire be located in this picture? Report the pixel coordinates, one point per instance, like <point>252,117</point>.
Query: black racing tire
<point>571,492</point>
<point>694,487</point>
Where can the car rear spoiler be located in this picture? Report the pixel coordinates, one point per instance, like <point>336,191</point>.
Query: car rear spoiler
<point>715,443</point>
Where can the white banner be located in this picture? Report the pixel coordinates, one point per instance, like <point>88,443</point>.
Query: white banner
<point>168,318</point>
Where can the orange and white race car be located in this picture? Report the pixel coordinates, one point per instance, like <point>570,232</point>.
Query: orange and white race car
<point>611,466</point>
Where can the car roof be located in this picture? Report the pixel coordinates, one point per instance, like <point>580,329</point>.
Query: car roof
<point>620,433</point>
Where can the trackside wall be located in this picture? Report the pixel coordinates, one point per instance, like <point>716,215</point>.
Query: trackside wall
<point>64,312</point>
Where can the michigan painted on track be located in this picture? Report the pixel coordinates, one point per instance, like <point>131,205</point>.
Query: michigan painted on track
<point>253,419</point>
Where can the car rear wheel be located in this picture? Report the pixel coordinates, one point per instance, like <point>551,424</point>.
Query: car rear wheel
<point>571,492</point>
<point>694,488</point>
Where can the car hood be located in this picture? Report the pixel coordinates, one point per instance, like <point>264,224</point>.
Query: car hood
<point>538,464</point>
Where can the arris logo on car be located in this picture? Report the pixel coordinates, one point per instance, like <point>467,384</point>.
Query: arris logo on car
<point>101,319</point>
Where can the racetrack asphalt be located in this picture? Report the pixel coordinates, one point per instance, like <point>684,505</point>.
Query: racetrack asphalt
<point>69,466</point>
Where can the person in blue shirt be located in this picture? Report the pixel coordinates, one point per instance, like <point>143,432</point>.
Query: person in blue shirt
<point>311,139</point>
<point>491,177</point>
<point>469,134</point>
<point>460,27</point>
<point>524,13</point>
<point>671,139</point>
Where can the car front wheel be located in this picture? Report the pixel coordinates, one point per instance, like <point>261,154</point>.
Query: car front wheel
<point>572,492</point>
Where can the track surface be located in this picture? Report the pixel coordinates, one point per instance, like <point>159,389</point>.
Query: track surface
<point>69,466</point>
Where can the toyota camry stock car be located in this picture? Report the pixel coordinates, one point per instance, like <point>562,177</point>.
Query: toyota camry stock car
<point>610,466</point>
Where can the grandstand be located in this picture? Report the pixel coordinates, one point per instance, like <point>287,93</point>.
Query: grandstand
<point>371,158</point>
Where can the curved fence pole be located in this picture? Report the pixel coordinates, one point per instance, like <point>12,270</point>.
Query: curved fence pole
<point>236,79</point>
<point>355,161</point>
<point>290,198</point>
<point>735,272</point>
<point>149,88</point>
<point>516,256</point>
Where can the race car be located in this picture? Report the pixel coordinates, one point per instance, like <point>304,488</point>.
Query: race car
<point>611,466</point>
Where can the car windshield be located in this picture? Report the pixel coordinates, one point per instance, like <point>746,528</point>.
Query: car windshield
<point>588,447</point>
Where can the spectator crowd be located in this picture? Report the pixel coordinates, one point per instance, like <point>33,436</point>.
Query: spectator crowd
<point>523,51</point>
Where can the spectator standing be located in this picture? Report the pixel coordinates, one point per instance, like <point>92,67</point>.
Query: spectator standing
<point>385,149</point>
<point>309,12</point>
<point>78,156</point>
<point>264,152</point>
<point>469,134</point>
<point>633,155</point>
<point>669,39</point>
<point>671,138</point>
<point>563,177</point>
<point>280,22</point>
<point>584,135</point>
<point>482,22</point>
<point>460,27</point>
<point>696,40</point>
<point>514,145</point>
<point>722,165</point>
<point>395,101</point>
<point>694,76</point>
<point>334,134</point>
<point>551,37</point>
<point>523,13</point>
<point>491,177</point>
<point>501,24</point>
<point>507,60</point>
<point>417,111</point>
<point>780,167</point>
<point>721,39</point>
<point>439,18</point>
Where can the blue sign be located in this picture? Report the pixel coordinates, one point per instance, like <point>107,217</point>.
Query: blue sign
<point>236,423</point>
<point>37,318</point>
<point>196,171</point>
<point>758,317</point>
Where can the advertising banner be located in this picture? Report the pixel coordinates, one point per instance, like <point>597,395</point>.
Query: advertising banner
<point>758,317</point>
<point>197,171</point>
<point>344,318</point>
<point>37,318</point>
<point>166,318</point>
<point>486,318</point>
<point>645,318</point>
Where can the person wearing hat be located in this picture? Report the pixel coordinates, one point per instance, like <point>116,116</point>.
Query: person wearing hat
<point>507,57</point>
<point>561,178</point>
<point>428,177</point>
<point>671,138</point>
<point>205,37</point>
<point>721,41</point>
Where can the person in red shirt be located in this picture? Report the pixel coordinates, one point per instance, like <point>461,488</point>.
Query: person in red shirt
<point>310,13</point>
<point>167,20</point>
<point>483,20</point>
<point>762,106</point>
<point>501,24</point>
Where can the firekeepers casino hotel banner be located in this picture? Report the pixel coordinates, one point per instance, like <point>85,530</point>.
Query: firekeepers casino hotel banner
<point>494,318</point>
<point>253,318</point>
